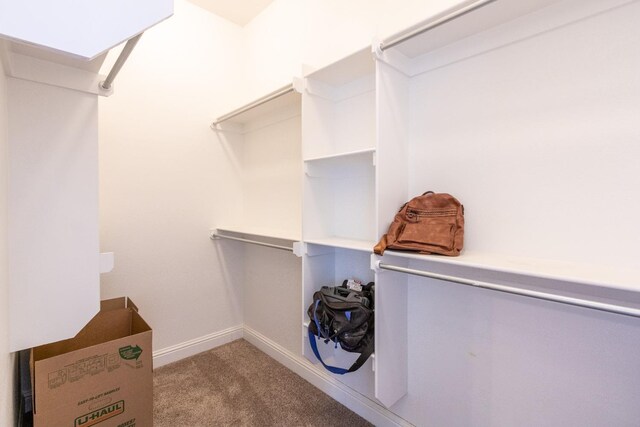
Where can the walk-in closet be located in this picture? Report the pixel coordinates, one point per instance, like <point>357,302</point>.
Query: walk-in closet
<point>219,163</point>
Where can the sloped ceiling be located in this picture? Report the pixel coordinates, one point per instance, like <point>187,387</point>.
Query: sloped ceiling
<point>237,11</point>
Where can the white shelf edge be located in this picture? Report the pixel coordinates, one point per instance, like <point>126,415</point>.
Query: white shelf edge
<point>289,94</point>
<point>534,268</point>
<point>336,242</point>
<point>340,155</point>
<point>348,68</point>
<point>490,35</point>
<point>260,232</point>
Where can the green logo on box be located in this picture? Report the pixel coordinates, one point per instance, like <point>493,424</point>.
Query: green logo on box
<point>100,415</point>
<point>130,353</point>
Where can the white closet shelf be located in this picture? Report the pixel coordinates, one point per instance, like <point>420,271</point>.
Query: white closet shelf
<point>482,15</point>
<point>344,164</point>
<point>277,103</point>
<point>485,26</point>
<point>338,156</point>
<point>259,232</point>
<point>339,242</point>
<point>347,69</point>
<point>496,264</point>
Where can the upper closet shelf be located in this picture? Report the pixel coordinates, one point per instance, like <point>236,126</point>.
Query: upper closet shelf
<point>478,27</point>
<point>279,104</point>
<point>338,157</point>
<point>348,69</point>
<point>461,23</point>
<point>341,165</point>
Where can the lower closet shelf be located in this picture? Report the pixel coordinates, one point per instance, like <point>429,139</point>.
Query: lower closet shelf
<point>504,268</point>
<point>270,240</point>
<point>343,243</point>
<point>271,233</point>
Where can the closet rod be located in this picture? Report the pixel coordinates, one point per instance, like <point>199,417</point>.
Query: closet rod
<point>122,58</point>
<point>273,95</point>
<point>253,242</point>
<point>610,308</point>
<point>435,24</point>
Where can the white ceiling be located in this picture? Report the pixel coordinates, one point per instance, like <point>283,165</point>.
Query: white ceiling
<point>237,11</point>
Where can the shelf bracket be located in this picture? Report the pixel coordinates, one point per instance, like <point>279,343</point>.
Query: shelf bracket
<point>392,58</point>
<point>299,249</point>
<point>375,264</point>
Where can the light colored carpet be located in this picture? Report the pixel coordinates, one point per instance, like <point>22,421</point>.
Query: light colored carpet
<point>238,385</point>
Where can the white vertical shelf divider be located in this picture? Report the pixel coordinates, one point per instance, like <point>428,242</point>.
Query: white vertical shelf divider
<point>392,120</point>
<point>339,200</point>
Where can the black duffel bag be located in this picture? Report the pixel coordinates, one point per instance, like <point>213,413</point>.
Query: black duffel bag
<point>343,316</point>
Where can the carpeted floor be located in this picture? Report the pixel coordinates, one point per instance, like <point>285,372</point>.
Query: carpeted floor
<point>238,385</point>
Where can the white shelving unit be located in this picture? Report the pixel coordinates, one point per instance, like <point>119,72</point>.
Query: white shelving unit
<point>339,108</point>
<point>339,190</point>
<point>325,265</point>
<point>494,107</point>
<point>269,233</point>
<point>259,229</point>
<point>263,139</point>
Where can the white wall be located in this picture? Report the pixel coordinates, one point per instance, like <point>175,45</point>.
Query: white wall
<point>165,179</point>
<point>480,358</point>
<point>6,359</point>
<point>290,33</point>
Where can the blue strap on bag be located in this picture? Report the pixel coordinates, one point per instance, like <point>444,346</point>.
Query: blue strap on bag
<point>314,347</point>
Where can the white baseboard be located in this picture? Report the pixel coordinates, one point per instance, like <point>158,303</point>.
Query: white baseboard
<point>358,403</point>
<point>197,345</point>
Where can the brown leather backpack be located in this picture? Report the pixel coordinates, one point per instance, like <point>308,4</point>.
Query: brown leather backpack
<point>430,224</point>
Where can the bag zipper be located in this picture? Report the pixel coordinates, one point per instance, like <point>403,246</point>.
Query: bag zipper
<point>431,213</point>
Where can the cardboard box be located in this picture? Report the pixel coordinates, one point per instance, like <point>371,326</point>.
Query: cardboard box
<point>103,376</point>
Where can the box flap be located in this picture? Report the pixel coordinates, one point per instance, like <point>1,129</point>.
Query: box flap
<point>138,324</point>
<point>130,304</point>
<point>113,303</point>
<point>105,326</point>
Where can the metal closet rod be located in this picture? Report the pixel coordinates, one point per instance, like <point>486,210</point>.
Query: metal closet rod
<point>122,58</point>
<point>435,24</point>
<point>253,242</point>
<point>273,95</point>
<point>610,308</point>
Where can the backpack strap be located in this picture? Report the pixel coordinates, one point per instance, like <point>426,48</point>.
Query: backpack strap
<point>381,246</point>
<point>334,369</point>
